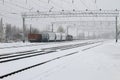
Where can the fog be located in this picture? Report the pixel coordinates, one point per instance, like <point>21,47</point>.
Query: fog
<point>10,11</point>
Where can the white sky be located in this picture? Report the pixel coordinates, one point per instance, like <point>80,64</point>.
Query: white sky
<point>17,6</point>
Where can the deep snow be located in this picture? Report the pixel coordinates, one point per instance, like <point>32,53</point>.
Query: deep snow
<point>102,62</point>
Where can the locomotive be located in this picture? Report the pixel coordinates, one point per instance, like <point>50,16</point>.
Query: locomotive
<point>49,37</point>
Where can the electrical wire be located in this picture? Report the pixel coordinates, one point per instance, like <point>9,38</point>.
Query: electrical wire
<point>8,17</point>
<point>2,10</point>
<point>8,12</point>
<point>43,1</point>
<point>69,4</point>
<point>84,4</point>
<point>19,6</point>
<point>38,5</point>
<point>66,1</point>
<point>33,2</point>
<point>95,3</point>
<point>46,4</point>
<point>16,1</point>
<point>52,2</point>
<point>57,5</point>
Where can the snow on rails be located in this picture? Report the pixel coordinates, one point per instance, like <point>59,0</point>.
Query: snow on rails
<point>8,58</point>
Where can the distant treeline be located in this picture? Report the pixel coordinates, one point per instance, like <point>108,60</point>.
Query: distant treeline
<point>12,33</point>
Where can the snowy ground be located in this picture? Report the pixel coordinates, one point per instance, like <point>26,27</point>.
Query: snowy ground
<point>100,61</point>
<point>13,47</point>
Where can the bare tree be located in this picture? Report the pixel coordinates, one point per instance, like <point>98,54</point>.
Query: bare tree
<point>8,31</point>
<point>13,33</point>
<point>1,30</point>
<point>32,31</point>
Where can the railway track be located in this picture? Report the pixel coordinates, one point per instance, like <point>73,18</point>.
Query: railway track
<point>20,46</point>
<point>10,57</point>
<point>65,47</point>
<point>7,54</point>
<point>29,45</point>
<point>22,56</point>
<point>32,53</point>
<point>23,69</point>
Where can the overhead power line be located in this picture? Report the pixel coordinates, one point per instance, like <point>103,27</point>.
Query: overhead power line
<point>95,3</point>
<point>66,1</point>
<point>34,2</point>
<point>84,4</point>
<point>8,17</point>
<point>13,4</point>
<point>56,5</point>
<point>7,12</point>
<point>11,9</point>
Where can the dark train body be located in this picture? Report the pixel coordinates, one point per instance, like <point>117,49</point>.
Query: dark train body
<point>49,37</point>
<point>69,37</point>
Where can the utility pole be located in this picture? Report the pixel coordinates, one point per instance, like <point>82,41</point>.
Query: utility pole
<point>24,30</point>
<point>67,29</point>
<point>30,28</point>
<point>1,30</point>
<point>52,27</point>
<point>77,32</point>
<point>116,30</point>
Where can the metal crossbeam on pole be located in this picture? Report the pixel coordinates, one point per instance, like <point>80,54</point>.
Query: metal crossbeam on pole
<point>55,14</point>
<point>81,22</point>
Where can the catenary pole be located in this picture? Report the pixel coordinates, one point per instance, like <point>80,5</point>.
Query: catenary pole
<point>116,30</point>
<point>24,29</point>
<point>52,27</point>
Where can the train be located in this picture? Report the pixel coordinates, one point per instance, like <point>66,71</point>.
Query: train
<point>49,37</point>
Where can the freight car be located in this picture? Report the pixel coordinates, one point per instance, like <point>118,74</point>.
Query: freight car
<point>58,37</point>
<point>35,37</point>
<point>63,35</point>
<point>51,36</point>
<point>48,37</point>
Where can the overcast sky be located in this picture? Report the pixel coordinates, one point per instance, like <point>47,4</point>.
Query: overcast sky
<point>9,8</point>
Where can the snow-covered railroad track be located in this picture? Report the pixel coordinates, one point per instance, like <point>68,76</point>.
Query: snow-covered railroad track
<point>21,46</point>
<point>15,56</point>
<point>8,54</point>
<point>65,47</point>
<point>34,44</point>
<point>17,70</point>
<point>22,56</point>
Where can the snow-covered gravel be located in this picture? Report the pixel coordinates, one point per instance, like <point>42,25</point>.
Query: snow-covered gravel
<point>100,61</point>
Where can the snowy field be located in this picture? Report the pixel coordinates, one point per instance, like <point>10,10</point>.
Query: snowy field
<point>99,61</point>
